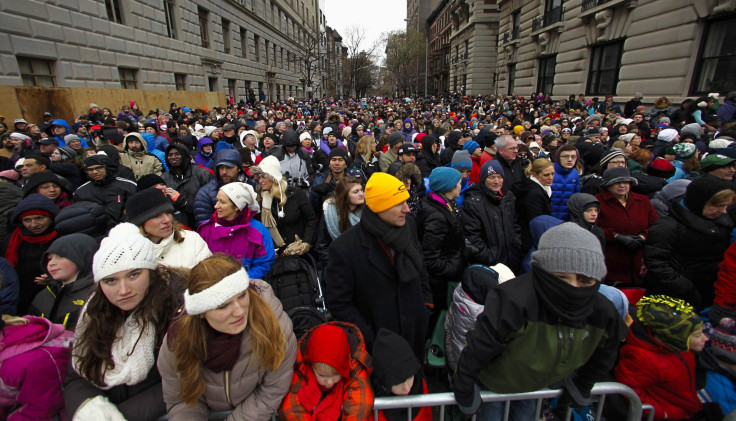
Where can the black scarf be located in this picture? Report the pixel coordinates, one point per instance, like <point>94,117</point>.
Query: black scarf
<point>408,259</point>
<point>571,304</point>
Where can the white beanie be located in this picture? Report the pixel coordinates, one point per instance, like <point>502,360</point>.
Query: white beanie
<point>719,143</point>
<point>534,145</point>
<point>208,130</point>
<point>217,294</point>
<point>246,133</point>
<point>198,127</point>
<point>242,195</point>
<point>272,167</point>
<point>667,135</point>
<point>123,249</point>
<point>303,136</point>
<point>504,273</point>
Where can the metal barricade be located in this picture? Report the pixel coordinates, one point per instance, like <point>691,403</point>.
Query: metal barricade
<point>600,390</point>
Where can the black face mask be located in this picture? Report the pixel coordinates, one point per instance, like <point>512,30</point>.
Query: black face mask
<point>571,304</point>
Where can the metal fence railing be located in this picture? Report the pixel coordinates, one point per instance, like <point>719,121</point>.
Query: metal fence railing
<point>442,400</point>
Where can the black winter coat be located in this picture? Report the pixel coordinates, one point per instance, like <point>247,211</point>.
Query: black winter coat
<point>682,254</point>
<point>143,401</point>
<point>513,173</point>
<point>28,268</point>
<point>442,236</point>
<point>531,201</point>
<point>363,288</point>
<point>490,225</point>
<point>188,184</point>
<point>299,218</point>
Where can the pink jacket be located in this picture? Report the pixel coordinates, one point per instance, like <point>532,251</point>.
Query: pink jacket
<point>33,360</point>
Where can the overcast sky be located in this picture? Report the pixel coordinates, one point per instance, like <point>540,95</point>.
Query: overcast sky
<point>375,16</point>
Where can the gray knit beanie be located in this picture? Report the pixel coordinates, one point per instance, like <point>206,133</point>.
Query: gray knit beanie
<point>568,248</point>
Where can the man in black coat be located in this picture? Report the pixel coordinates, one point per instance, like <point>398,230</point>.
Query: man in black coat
<point>184,177</point>
<point>105,187</point>
<point>375,275</point>
<point>507,152</point>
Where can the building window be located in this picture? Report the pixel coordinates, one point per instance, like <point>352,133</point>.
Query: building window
<point>243,43</point>
<point>232,88</point>
<point>128,79</point>
<point>169,8</point>
<point>546,77</point>
<point>604,66</point>
<point>516,24</point>
<point>714,72</point>
<point>268,53</point>
<point>213,83</point>
<point>512,79</point>
<point>204,34</point>
<point>226,35</point>
<point>181,81</point>
<point>114,11</point>
<point>257,45</point>
<point>36,72</point>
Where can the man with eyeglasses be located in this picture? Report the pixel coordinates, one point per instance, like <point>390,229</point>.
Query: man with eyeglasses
<point>718,165</point>
<point>507,151</point>
<point>105,188</point>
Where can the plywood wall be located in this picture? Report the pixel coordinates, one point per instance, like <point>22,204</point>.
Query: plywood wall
<point>31,102</point>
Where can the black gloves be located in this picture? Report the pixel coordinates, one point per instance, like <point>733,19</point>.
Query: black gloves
<point>468,404</point>
<point>470,251</point>
<point>630,242</point>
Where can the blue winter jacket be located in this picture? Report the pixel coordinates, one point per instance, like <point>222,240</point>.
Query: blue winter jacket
<point>150,143</point>
<point>566,183</point>
<point>10,288</point>
<point>258,267</point>
<point>60,138</point>
<point>204,203</point>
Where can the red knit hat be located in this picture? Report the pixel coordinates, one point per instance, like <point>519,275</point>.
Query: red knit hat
<point>329,345</point>
<point>661,167</point>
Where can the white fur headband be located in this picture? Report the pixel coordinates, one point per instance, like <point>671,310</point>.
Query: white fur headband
<point>214,296</point>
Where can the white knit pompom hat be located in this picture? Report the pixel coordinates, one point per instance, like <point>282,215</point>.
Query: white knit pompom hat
<point>123,249</point>
<point>271,167</point>
<point>242,195</point>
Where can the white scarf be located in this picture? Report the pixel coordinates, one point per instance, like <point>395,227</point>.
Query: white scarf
<point>547,189</point>
<point>132,351</point>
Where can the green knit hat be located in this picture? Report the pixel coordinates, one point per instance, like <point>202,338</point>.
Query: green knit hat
<point>672,321</point>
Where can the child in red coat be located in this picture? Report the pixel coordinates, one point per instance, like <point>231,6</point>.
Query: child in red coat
<point>330,380</point>
<point>656,360</point>
<point>397,372</point>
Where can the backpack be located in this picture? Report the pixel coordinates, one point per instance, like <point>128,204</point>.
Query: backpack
<point>295,283</point>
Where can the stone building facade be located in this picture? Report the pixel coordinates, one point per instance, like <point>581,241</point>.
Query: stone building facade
<point>440,25</point>
<point>205,45</point>
<point>675,48</point>
<point>333,63</point>
<point>473,42</point>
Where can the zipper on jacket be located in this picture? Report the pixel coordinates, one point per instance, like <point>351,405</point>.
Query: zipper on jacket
<point>560,339</point>
<point>227,388</point>
<point>571,345</point>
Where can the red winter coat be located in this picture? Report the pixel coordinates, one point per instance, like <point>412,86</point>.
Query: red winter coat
<point>725,286</point>
<point>474,176</point>
<point>624,266</point>
<point>660,376</point>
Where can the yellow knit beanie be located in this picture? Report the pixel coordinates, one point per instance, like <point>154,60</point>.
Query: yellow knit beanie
<point>384,191</point>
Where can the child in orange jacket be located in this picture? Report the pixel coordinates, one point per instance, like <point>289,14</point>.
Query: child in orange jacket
<point>330,380</point>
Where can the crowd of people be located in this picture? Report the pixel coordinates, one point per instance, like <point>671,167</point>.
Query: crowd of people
<point>557,242</point>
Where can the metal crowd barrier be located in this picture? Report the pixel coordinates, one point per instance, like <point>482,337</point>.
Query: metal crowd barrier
<point>598,394</point>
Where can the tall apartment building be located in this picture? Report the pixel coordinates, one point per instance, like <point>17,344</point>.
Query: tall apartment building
<point>439,25</point>
<point>334,64</point>
<point>184,45</point>
<point>473,42</point>
<point>675,48</point>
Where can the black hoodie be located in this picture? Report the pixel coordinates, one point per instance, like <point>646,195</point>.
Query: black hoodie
<point>59,303</point>
<point>393,363</point>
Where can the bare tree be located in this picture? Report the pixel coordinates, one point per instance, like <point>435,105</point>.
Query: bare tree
<point>404,49</point>
<point>306,59</point>
<point>360,55</point>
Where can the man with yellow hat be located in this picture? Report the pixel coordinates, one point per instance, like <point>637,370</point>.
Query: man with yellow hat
<point>375,276</point>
